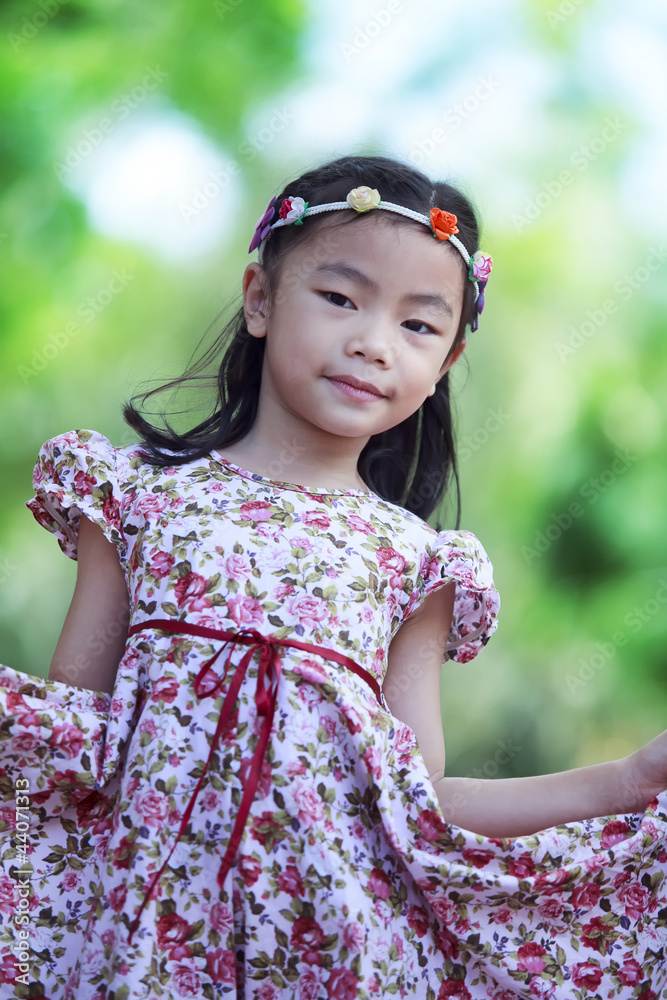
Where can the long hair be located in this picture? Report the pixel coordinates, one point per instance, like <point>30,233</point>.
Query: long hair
<point>410,464</point>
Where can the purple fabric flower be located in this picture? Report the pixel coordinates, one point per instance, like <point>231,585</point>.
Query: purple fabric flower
<point>479,304</point>
<point>263,226</point>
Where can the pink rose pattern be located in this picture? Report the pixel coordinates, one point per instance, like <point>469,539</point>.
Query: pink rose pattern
<point>348,881</point>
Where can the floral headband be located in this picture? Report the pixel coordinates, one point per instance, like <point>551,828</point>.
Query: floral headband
<point>362,199</point>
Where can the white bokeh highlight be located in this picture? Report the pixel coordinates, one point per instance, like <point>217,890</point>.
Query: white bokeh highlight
<point>160,182</point>
<point>462,98</point>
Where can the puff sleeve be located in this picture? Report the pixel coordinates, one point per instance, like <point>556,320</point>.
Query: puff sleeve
<point>460,556</point>
<point>76,473</point>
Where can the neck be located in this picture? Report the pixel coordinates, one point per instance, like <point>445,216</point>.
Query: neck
<point>283,465</point>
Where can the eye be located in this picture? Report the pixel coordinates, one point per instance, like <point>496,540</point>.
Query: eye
<point>337,295</point>
<point>415,322</point>
<point>418,322</point>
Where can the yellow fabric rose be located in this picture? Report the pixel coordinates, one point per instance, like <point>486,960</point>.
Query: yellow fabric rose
<point>363,198</point>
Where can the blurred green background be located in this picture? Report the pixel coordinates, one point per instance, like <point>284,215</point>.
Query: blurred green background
<point>141,142</point>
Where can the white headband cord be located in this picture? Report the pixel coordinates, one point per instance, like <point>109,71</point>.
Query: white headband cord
<point>442,224</point>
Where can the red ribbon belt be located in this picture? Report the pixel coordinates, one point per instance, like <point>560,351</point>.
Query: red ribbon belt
<point>265,699</point>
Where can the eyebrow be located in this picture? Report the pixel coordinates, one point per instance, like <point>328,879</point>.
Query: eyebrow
<point>342,270</point>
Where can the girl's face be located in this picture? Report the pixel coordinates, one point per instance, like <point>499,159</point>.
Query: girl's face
<point>371,300</point>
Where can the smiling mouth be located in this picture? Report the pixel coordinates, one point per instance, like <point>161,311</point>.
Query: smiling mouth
<point>353,392</point>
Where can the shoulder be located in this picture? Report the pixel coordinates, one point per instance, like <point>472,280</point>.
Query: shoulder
<point>74,451</point>
<point>82,472</point>
<point>453,592</point>
<point>89,451</point>
<point>457,554</point>
<point>408,533</point>
<point>437,555</point>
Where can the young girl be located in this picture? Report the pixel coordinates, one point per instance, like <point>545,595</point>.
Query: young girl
<point>233,782</point>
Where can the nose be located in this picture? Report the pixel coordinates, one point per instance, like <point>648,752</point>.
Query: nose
<point>376,340</point>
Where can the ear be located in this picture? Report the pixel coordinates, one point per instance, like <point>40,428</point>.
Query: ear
<point>254,300</point>
<point>456,354</point>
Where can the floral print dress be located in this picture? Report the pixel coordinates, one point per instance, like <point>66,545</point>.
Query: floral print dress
<point>343,880</point>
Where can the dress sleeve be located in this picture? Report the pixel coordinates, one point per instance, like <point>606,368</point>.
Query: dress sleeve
<point>76,473</point>
<point>459,556</point>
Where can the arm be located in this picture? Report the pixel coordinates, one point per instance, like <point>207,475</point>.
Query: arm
<point>93,638</point>
<point>502,807</point>
<point>515,807</point>
<point>412,681</point>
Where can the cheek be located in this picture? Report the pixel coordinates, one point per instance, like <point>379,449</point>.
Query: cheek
<point>413,385</point>
<point>293,355</point>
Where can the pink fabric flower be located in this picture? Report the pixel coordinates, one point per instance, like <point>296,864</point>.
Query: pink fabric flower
<point>530,957</point>
<point>290,881</point>
<point>221,917</point>
<point>162,565</point>
<point>635,899</point>
<point>379,883</point>
<point>309,610</point>
<point>67,739</point>
<point>190,592</point>
<point>245,612</point>
<point>614,833</point>
<point>586,976</point>
<point>631,972</point>
<point>256,510</point>
<point>307,937</point>
<point>392,562</point>
<point>480,265</point>
<point>586,896</point>
<point>308,802</point>
<point>152,807</point>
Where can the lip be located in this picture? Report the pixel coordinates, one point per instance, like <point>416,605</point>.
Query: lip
<point>357,384</point>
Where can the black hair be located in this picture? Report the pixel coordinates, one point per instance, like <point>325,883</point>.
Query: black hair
<point>410,464</point>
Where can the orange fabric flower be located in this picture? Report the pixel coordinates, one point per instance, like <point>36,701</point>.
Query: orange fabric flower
<point>443,224</point>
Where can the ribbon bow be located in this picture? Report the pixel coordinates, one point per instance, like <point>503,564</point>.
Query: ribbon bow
<point>265,700</point>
